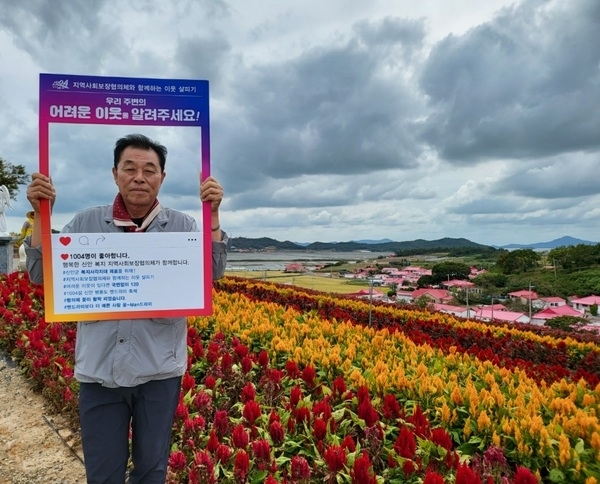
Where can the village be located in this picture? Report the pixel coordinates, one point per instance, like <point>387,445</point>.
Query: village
<point>402,289</point>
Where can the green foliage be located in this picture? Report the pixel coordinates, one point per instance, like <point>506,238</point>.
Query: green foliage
<point>575,257</point>
<point>522,260</point>
<point>450,270</point>
<point>565,323</point>
<point>594,310</point>
<point>12,176</point>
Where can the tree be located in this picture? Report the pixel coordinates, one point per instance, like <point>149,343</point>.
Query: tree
<point>516,261</point>
<point>450,270</point>
<point>12,176</point>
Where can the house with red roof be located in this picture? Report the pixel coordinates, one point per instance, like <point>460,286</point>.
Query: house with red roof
<point>439,296</point>
<point>555,312</point>
<point>585,303</point>
<point>458,311</point>
<point>523,296</point>
<point>505,316</point>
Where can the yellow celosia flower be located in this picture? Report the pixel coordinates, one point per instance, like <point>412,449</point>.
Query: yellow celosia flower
<point>483,422</point>
<point>564,449</point>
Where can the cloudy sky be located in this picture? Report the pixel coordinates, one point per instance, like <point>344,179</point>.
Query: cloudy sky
<point>335,120</point>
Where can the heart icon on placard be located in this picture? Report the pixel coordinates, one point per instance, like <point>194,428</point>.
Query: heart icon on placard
<point>65,240</point>
<point>64,256</point>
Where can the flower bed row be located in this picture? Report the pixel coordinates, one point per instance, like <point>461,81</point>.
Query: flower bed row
<point>554,354</point>
<point>278,394</point>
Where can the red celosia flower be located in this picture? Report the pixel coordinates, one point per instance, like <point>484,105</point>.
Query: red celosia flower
<point>194,424</point>
<point>291,369</point>
<point>433,478</point>
<point>241,351</point>
<point>246,364</point>
<point>300,469</point>
<point>339,387</point>
<point>406,443</point>
<point>295,395</point>
<point>362,473</point>
<point>187,382</point>
<point>224,453</point>
<point>319,429</point>
<point>203,403</point>
<point>213,441</point>
<point>210,382</point>
<point>275,376</point>
<point>263,358</point>
<point>240,437</point>
<point>276,432</point>
<point>408,467</point>
<point>270,480</point>
<point>248,393</point>
<point>308,375</point>
<point>198,349</point>
<point>302,415</point>
<point>182,411</point>
<point>226,363</point>
<point>335,457</point>
<point>251,411</point>
<point>419,420</point>
<point>348,443</point>
<point>322,409</point>
<point>241,465</point>
<point>464,475</point>
<point>440,437</point>
<point>204,468</point>
<point>391,407</point>
<point>524,476</point>
<point>221,422</point>
<point>367,412</point>
<point>177,461</point>
<point>262,453</point>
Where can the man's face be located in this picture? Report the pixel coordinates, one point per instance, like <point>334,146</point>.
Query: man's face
<point>139,178</point>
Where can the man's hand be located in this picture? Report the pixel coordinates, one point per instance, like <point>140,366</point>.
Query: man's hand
<point>211,191</point>
<point>40,188</point>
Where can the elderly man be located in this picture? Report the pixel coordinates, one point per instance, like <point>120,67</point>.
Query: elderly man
<point>129,370</point>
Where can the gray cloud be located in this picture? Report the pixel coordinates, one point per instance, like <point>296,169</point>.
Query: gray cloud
<point>521,86</point>
<point>342,109</point>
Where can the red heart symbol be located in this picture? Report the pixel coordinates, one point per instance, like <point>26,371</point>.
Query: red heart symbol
<point>65,240</point>
<point>64,256</point>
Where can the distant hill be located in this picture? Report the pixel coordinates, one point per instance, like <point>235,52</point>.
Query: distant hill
<point>265,243</point>
<point>552,244</point>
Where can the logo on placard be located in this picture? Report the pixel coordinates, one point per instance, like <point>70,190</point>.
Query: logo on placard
<point>64,84</point>
<point>64,256</point>
<point>65,240</point>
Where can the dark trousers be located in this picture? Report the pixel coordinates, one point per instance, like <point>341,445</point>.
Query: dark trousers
<point>107,415</point>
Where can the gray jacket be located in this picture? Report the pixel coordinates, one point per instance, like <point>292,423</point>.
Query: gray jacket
<point>129,352</point>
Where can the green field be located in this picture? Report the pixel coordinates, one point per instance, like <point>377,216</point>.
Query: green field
<point>318,282</point>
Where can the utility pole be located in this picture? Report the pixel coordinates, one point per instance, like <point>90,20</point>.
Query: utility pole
<point>370,299</point>
<point>530,297</point>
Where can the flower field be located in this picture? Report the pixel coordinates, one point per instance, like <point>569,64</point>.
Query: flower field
<point>294,386</point>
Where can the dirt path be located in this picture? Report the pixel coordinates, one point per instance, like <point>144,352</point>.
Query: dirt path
<point>34,445</point>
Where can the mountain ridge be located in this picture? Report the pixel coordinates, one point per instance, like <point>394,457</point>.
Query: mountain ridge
<point>387,245</point>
